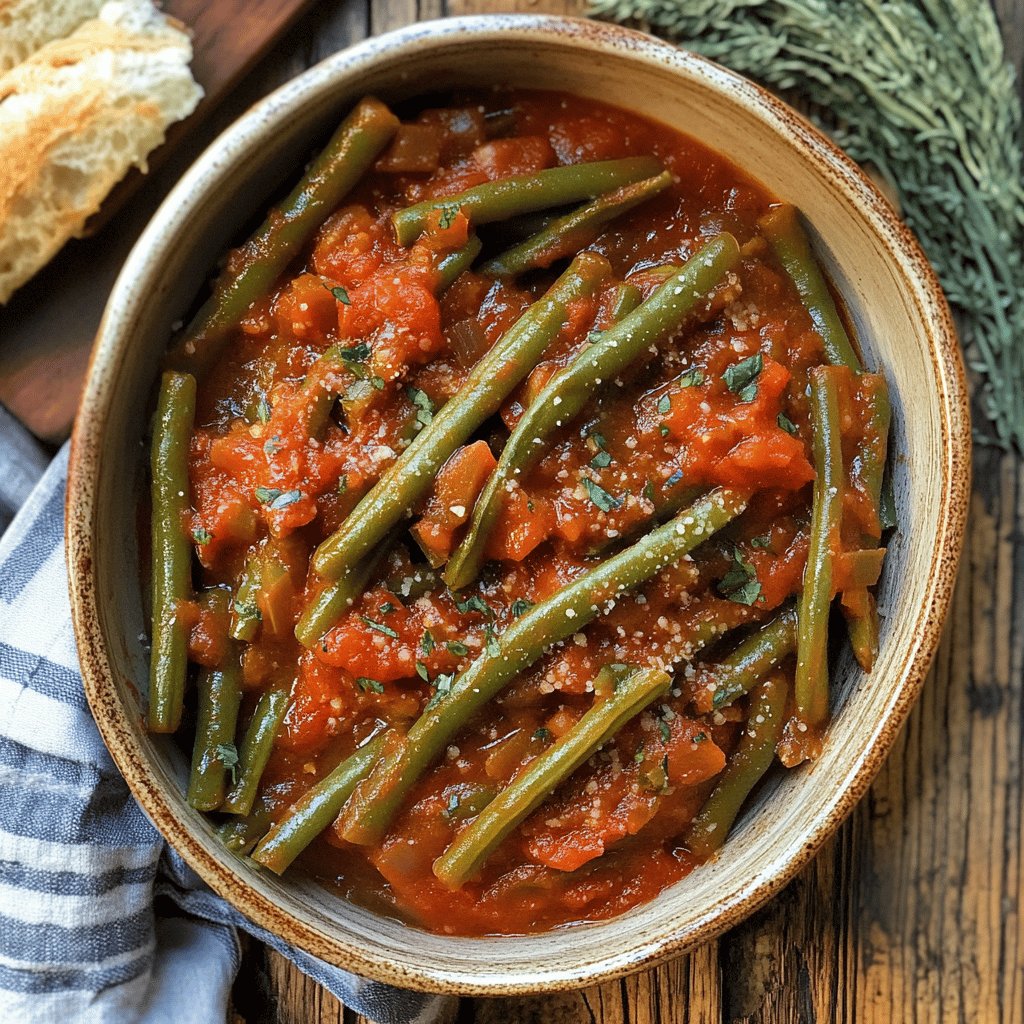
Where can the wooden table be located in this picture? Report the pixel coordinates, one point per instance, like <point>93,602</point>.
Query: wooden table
<point>913,912</point>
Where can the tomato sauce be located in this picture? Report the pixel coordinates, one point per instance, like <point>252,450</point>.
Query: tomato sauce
<point>609,839</point>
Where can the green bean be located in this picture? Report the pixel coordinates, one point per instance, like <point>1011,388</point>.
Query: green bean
<point>255,750</point>
<point>527,193</point>
<point>240,835</point>
<point>456,263</point>
<point>781,227</point>
<point>575,231</point>
<point>570,389</point>
<point>376,801</point>
<point>251,270</point>
<point>811,681</point>
<point>489,383</point>
<point>172,551</point>
<point>314,811</point>
<point>870,459</point>
<point>750,661</point>
<point>245,612</point>
<point>220,694</point>
<point>475,843</point>
<point>330,603</point>
<point>627,298</point>
<point>747,765</point>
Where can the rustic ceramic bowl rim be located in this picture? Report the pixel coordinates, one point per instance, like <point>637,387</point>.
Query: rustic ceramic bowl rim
<point>100,387</point>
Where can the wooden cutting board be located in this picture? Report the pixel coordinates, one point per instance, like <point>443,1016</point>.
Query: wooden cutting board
<point>47,329</point>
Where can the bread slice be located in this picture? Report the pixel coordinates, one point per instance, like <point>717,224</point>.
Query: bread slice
<point>74,117</point>
<point>25,25</point>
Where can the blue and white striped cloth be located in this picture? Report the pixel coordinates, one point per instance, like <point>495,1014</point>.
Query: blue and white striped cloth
<point>80,864</point>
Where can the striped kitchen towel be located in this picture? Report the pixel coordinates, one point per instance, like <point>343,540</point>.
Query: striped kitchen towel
<point>80,864</point>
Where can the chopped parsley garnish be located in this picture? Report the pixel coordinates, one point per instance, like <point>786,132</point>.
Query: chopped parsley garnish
<point>228,754</point>
<point>600,497</point>
<point>700,737</point>
<point>427,641</point>
<point>692,378</point>
<point>452,806</point>
<point>664,403</point>
<point>201,536</point>
<point>740,583</point>
<point>386,608</point>
<point>648,491</point>
<point>421,671</point>
<point>599,440</point>
<point>638,757</point>
<point>543,734</point>
<point>368,685</point>
<point>664,731</point>
<point>520,606</point>
<point>379,627</point>
<point>276,499</point>
<point>458,648</point>
<point>491,641</point>
<point>443,684</point>
<point>424,406</point>
<point>593,337</point>
<point>601,460</point>
<point>474,603</point>
<point>786,423</point>
<point>377,383</point>
<point>449,211</point>
<point>340,294</point>
<point>663,430</point>
<point>343,483</point>
<point>263,409</point>
<point>760,542</point>
<point>741,377</point>
<point>355,353</point>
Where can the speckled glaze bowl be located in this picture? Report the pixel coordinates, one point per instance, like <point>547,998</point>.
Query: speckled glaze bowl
<point>904,327</point>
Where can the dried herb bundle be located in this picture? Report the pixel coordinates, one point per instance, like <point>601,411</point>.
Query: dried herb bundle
<point>920,89</point>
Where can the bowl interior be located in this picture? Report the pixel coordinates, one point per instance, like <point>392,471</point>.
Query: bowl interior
<point>903,327</point>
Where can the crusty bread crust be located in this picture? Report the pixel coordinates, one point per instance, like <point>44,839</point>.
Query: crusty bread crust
<point>74,117</point>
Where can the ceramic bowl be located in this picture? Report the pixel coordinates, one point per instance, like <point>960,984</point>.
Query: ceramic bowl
<point>903,324</point>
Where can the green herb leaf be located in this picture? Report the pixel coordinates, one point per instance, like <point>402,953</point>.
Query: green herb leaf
<point>663,430</point>
<point>355,353</point>
<point>368,685</point>
<point>424,406</point>
<point>520,606</point>
<point>740,583</point>
<point>343,483</point>
<point>452,806</point>
<point>600,497</point>
<point>340,294</point>
<point>601,460</point>
<point>664,731</point>
<point>386,608</point>
<point>786,423</point>
<point>202,536</point>
<point>543,734</point>
<point>648,491</point>
<point>427,641</point>
<point>664,404</point>
<point>458,648</point>
<point>638,757</point>
<point>761,542</point>
<point>379,627</point>
<point>741,377</point>
<point>599,439</point>
<point>474,603</point>
<point>443,686</point>
<point>449,211</point>
<point>227,754</point>
<point>421,671</point>
<point>263,409</point>
<point>491,641</point>
<point>692,378</point>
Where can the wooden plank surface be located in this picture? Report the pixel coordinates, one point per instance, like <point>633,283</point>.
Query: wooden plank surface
<point>913,912</point>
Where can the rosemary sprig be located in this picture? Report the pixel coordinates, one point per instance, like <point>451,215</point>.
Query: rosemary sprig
<point>920,89</point>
